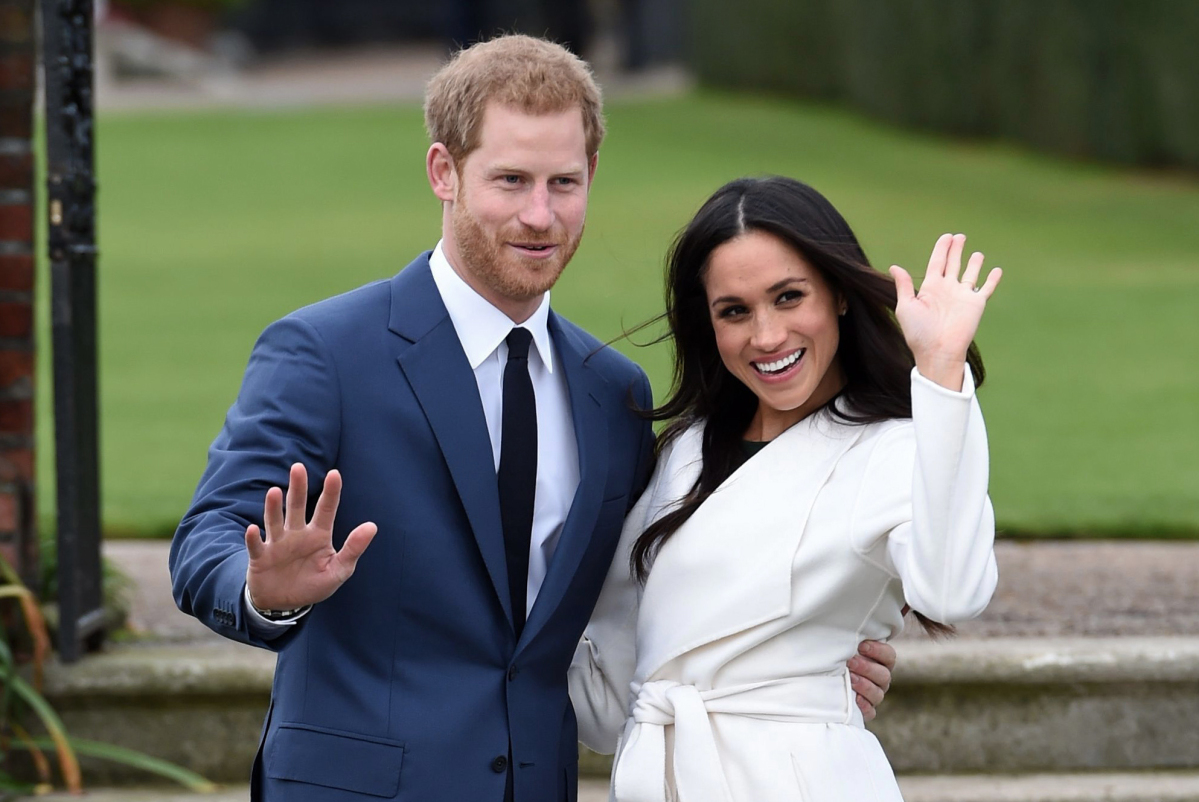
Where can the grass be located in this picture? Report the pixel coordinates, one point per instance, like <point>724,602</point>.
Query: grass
<point>214,224</point>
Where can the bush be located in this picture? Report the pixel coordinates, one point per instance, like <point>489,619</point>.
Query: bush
<point>1106,79</point>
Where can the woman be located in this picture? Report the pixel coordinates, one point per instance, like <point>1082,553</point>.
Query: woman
<point>823,468</point>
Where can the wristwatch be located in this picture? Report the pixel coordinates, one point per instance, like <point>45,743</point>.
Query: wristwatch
<point>282,615</point>
<point>276,615</point>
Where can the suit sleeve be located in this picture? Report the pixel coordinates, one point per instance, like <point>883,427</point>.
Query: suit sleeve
<point>928,483</point>
<point>287,411</point>
<point>644,397</point>
<point>606,658</point>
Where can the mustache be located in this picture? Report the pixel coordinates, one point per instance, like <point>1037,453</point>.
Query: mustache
<point>527,236</point>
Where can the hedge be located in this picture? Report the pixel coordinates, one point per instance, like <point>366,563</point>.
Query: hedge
<point>1108,79</point>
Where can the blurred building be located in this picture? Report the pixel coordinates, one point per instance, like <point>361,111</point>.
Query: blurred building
<point>647,32</point>
<point>273,25</point>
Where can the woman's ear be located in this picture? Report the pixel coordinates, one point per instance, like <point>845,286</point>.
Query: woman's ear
<point>442,172</point>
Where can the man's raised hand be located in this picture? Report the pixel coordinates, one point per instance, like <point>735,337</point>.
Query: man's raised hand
<point>296,564</point>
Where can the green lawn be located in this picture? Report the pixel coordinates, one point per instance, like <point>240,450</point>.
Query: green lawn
<point>214,224</point>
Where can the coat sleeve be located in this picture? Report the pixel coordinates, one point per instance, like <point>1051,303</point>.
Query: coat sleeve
<point>929,485</point>
<point>606,658</point>
<point>287,411</point>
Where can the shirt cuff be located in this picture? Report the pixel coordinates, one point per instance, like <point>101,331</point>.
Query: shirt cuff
<point>259,623</point>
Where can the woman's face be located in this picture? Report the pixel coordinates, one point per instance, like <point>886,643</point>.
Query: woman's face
<point>776,328</point>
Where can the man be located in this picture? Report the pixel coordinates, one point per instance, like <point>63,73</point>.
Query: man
<point>483,447</point>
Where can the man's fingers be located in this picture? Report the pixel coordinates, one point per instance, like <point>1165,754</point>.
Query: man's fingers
<point>868,711</point>
<point>992,282</point>
<point>936,261</point>
<point>867,690</point>
<point>297,497</point>
<point>879,652</point>
<point>904,289</point>
<point>272,514</point>
<point>254,543</point>
<point>326,506</point>
<point>356,543</point>
<point>870,679</point>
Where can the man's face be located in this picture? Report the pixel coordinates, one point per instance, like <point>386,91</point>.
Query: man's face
<point>518,211</point>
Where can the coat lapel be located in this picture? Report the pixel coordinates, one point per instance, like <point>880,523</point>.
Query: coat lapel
<point>440,375</point>
<point>729,567</point>
<point>591,434</point>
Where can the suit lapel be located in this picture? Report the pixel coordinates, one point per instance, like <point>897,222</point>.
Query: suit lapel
<point>591,434</point>
<point>443,382</point>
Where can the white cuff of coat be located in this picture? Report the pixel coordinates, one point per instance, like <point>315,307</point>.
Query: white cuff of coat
<point>966,393</point>
<point>264,627</point>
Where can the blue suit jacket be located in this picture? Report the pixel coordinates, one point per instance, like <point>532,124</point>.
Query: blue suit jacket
<point>409,682</point>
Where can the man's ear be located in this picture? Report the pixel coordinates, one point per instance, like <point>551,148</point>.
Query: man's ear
<point>592,163</point>
<point>442,172</point>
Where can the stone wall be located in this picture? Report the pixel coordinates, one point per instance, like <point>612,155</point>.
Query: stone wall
<point>18,59</point>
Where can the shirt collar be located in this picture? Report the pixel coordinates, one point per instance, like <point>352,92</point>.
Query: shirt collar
<point>481,327</point>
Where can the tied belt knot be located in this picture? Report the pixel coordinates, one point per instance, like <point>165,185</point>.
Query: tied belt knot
<point>640,773</point>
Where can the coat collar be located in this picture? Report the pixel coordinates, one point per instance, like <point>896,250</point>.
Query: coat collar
<point>729,567</point>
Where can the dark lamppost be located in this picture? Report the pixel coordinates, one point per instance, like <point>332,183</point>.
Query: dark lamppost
<point>67,36</point>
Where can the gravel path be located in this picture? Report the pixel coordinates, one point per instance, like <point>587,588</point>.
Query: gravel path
<point>347,77</point>
<point>1046,589</point>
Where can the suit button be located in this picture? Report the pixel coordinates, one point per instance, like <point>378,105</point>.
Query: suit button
<point>499,764</point>
<point>512,672</point>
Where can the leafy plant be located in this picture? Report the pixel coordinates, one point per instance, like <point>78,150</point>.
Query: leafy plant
<point>17,692</point>
<point>19,696</point>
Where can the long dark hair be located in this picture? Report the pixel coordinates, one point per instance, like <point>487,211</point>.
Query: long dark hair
<point>873,355</point>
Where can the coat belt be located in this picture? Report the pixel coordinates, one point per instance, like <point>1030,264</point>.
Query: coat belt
<point>640,772</point>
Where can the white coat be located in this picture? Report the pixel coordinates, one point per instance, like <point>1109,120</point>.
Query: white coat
<point>724,679</point>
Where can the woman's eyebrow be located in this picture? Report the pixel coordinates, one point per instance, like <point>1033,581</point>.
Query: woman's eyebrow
<point>778,285</point>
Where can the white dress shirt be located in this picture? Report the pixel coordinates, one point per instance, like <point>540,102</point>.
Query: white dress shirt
<point>482,330</point>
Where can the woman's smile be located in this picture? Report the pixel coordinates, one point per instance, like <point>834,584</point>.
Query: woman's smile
<point>782,368</point>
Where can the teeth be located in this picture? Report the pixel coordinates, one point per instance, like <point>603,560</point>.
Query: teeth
<point>782,364</point>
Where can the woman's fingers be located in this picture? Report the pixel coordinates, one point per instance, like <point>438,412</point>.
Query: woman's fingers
<point>953,259</point>
<point>936,261</point>
<point>992,282</point>
<point>326,506</point>
<point>973,267</point>
<point>904,289</point>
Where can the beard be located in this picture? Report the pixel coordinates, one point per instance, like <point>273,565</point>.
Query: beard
<point>501,269</point>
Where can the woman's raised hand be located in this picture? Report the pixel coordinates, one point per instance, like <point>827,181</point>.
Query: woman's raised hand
<point>940,321</point>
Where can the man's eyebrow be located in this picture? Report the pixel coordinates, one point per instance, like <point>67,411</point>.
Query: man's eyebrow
<point>502,169</point>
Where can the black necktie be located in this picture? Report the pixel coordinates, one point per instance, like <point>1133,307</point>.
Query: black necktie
<point>518,469</point>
